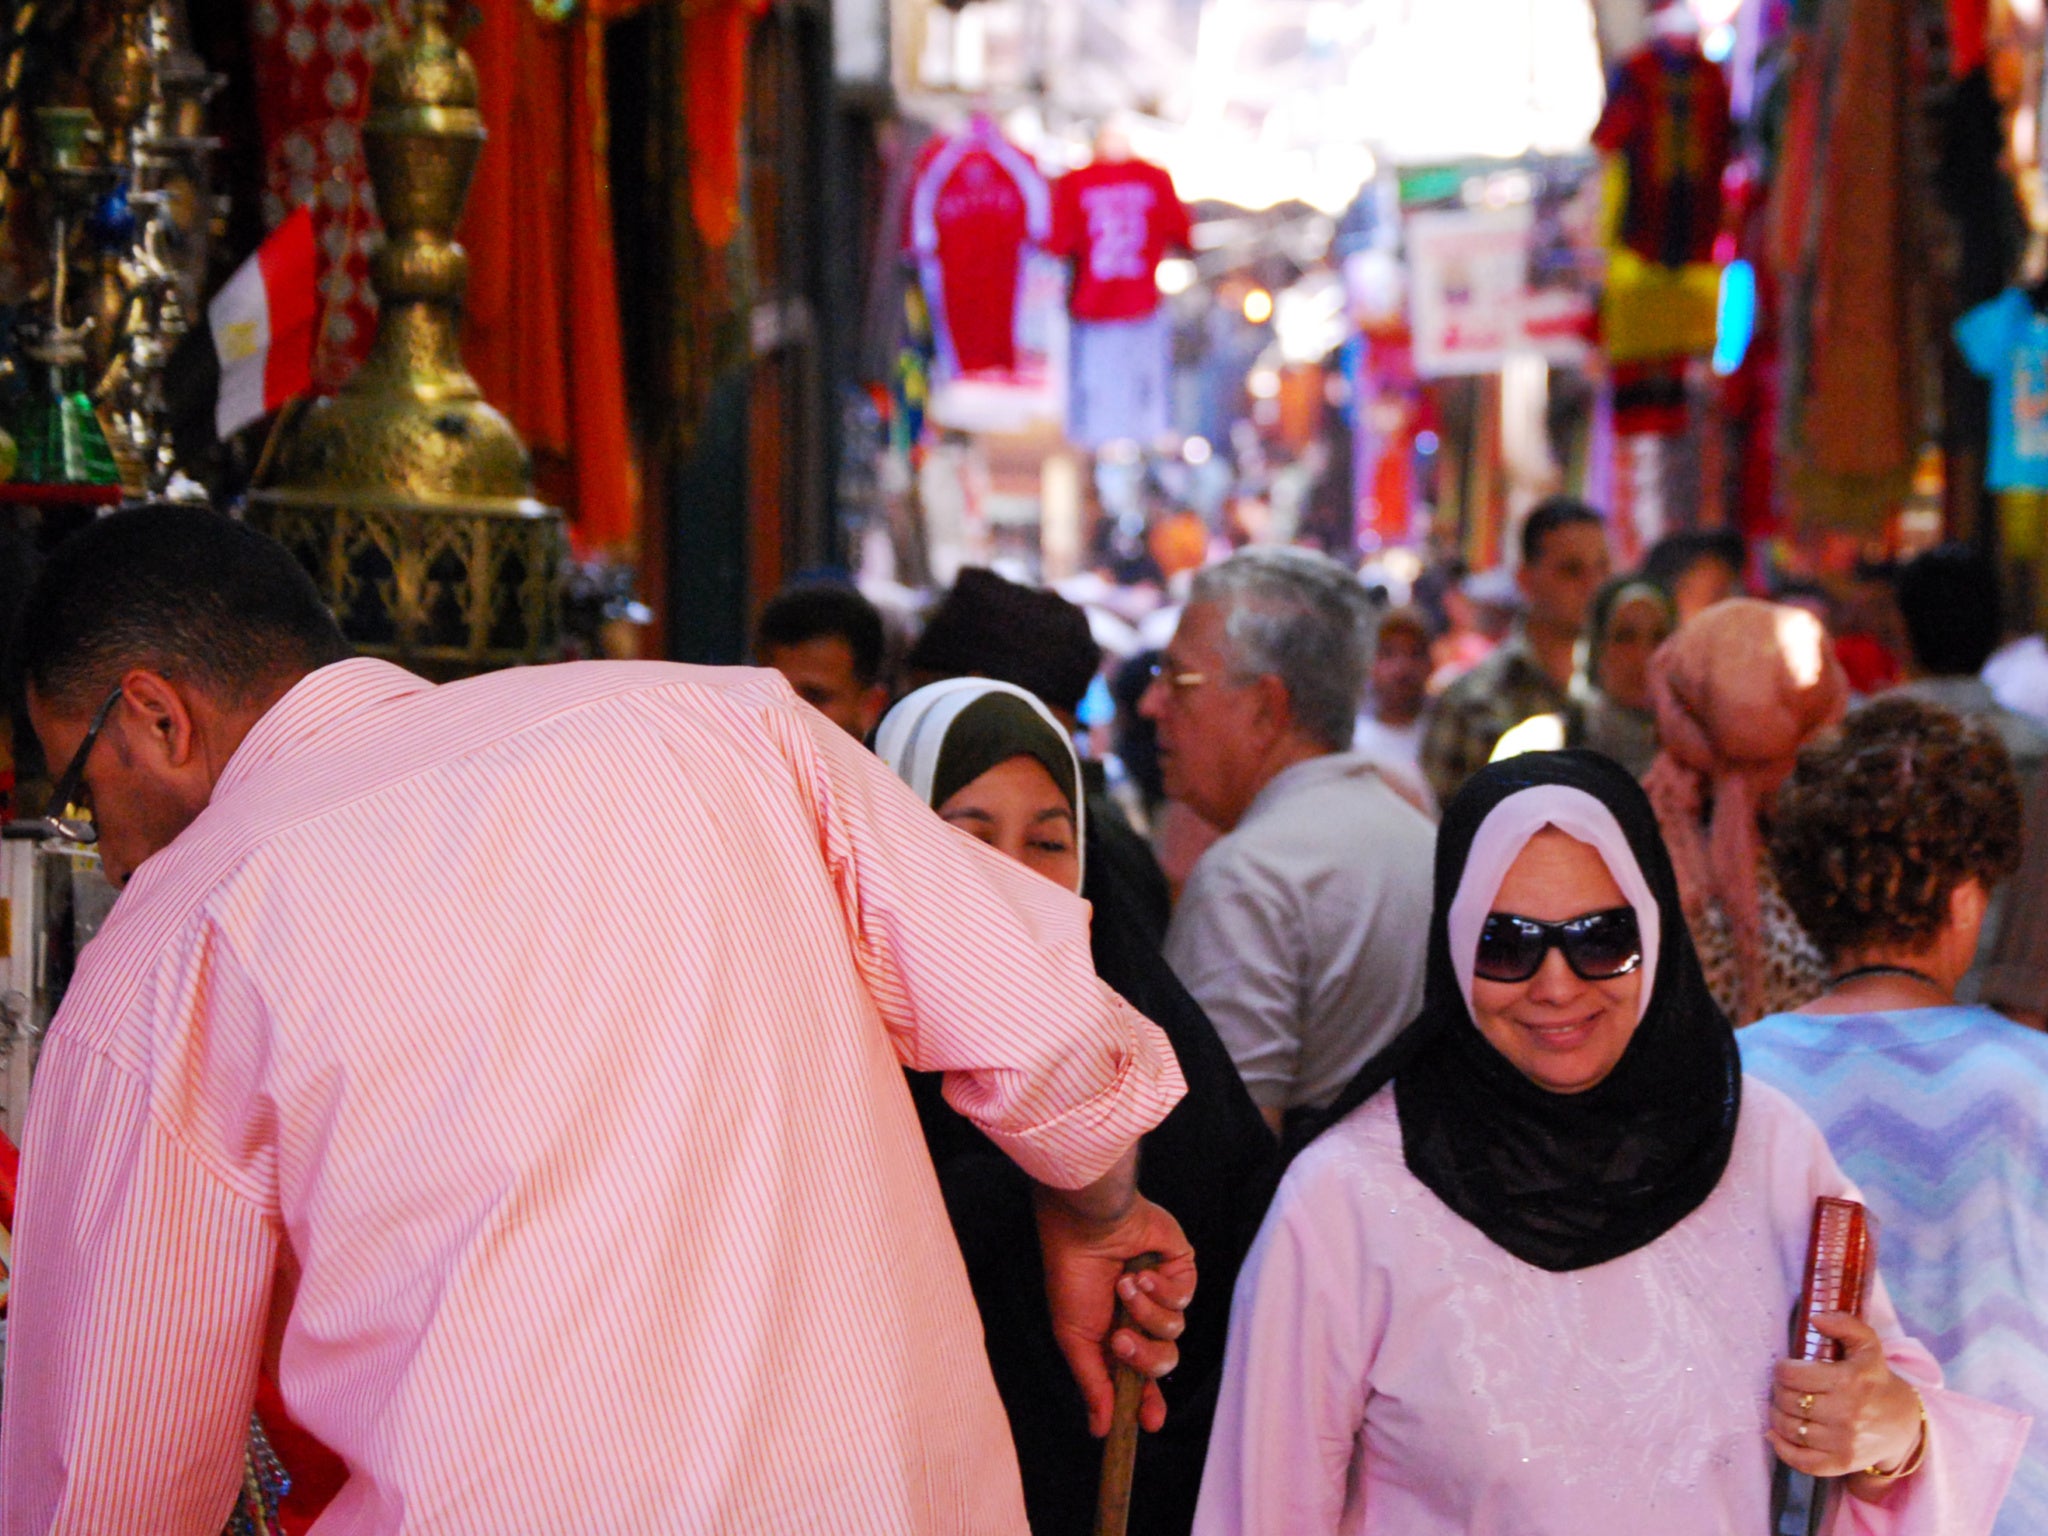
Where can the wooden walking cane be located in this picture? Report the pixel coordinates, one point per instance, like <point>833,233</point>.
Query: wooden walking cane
<point>1120,1447</point>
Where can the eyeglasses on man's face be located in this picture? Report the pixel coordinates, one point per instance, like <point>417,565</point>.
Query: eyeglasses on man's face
<point>1178,680</point>
<point>70,792</point>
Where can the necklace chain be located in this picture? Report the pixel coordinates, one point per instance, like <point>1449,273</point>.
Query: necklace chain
<point>1884,970</point>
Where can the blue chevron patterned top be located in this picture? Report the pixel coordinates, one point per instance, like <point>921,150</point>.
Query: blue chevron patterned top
<point>1941,1116</point>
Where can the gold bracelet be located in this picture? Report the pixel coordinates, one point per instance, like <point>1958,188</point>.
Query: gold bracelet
<point>1919,1454</point>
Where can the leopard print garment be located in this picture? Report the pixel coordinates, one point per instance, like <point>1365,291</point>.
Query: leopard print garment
<point>1794,971</point>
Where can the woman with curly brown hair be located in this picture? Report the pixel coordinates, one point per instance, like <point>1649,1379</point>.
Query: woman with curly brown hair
<point>1890,836</point>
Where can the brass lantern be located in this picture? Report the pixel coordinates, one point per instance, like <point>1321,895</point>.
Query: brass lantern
<point>406,495</point>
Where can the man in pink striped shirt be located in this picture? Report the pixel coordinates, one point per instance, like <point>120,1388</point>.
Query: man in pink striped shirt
<point>514,1069</point>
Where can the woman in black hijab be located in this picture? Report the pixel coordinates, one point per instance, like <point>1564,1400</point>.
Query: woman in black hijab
<point>1537,1277</point>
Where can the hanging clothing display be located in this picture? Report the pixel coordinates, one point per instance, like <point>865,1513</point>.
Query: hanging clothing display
<point>541,317</point>
<point>2006,341</point>
<point>1119,381</point>
<point>1665,130</point>
<point>977,204</point>
<point>312,76</point>
<point>1115,220</point>
<point>1852,253</point>
<point>1667,119</point>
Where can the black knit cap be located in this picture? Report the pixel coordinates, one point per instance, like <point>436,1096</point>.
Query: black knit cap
<point>988,626</point>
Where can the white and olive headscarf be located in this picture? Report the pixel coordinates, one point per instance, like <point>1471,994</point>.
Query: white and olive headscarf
<point>943,737</point>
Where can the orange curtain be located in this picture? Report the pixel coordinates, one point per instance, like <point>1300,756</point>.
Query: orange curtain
<point>714,92</point>
<point>714,105</point>
<point>542,329</point>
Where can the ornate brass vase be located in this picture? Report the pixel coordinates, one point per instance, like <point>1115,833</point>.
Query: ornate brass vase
<point>406,495</point>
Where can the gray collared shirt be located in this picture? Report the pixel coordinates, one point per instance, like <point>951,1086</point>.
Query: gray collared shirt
<point>1302,931</point>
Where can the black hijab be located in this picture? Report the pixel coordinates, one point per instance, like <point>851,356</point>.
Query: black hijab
<point>1564,1181</point>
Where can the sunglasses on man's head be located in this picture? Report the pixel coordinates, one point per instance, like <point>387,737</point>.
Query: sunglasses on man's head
<point>1598,946</point>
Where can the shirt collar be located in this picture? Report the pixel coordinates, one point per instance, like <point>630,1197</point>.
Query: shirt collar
<point>1321,769</point>
<point>1965,695</point>
<point>312,710</point>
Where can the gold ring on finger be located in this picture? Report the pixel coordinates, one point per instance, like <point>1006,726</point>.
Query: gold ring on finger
<point>1806,1405</point>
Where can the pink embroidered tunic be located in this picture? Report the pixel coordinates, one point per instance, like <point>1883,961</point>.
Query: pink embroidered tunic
<point>519,1064</point>
<point>1392,1371</point>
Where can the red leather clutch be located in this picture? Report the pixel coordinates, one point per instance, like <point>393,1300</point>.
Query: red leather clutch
<point>1841,1256</point>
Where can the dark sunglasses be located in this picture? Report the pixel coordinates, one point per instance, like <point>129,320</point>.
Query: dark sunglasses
<point>1598,946</point>
<point>69,791</point>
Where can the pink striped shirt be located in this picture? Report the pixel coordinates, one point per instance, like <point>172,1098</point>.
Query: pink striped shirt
<point>519,1060</point>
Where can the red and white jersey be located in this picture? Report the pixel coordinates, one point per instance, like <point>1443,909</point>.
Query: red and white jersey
<point>1115,220</point>
<point>976,202</point>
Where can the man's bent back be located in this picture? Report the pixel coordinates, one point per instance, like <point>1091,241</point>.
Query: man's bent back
<point>514,1068</point>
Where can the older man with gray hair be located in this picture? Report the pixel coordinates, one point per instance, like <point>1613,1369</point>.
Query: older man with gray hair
<point>1301,931</point>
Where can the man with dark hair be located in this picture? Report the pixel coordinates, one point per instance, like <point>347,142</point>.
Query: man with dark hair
<point>533,1155</point>
<point>828,640</point>
<point>1696,568</point>
<point>1949,600</point>
<point>1564,562</point>
<point>170,648</point>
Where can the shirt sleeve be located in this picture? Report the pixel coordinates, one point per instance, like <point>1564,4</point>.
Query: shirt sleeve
<point>1305,1329</point>
<point>1973,1447</point>
<point>981,970</point>
<point>1621,117</point>
<point>1984,335</point>
<point>141,1288</point>
<point>1236,945</point>
<point>1456,743</point>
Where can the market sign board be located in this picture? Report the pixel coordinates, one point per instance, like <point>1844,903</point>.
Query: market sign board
<point>1482,286</point>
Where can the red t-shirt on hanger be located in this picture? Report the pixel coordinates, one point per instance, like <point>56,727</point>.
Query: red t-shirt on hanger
<point>1115,219</point>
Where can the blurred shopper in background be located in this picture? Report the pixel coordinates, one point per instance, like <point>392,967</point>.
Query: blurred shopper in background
<point>1696,568</point>
<point>1300,932</point>
<point>1609,710</point>
<point>1564,561</point>
<point>1396,696</point>
<point>1612,708</point>
<point>1951,607</point>
<point>1479,610</point>
<point>829,642</point>
<point>992,761</point>
<point>1737,692</point>
<point>1870,634</point>
<point>1890,837</point>
<point>1950,603</point>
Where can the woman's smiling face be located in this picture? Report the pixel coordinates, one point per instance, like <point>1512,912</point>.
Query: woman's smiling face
<point>1559,1030</point>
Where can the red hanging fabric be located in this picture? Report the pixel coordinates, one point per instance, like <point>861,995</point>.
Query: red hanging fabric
<point>715,41</point>
<point>541,329</point>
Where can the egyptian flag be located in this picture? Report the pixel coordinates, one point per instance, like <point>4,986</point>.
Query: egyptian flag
<point>254,353</point>
<point>263,324</point>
